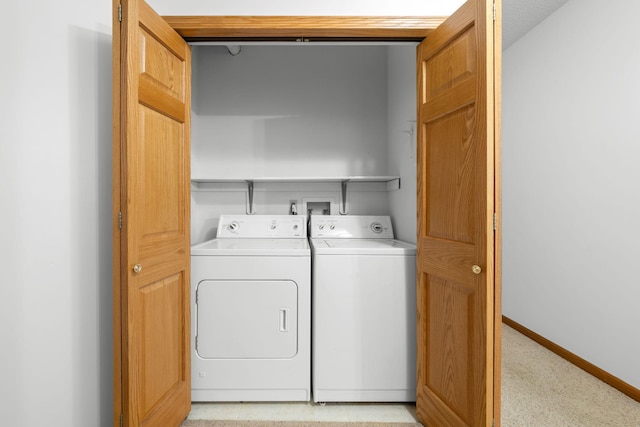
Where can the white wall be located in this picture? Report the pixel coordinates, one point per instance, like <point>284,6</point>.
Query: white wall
<point>401,123</point>
<point>572,183</point>
<point>292,8</point>
<point>288,111</point>
<point>55,239</point>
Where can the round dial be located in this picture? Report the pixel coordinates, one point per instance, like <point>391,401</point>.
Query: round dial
<point>376,227</point>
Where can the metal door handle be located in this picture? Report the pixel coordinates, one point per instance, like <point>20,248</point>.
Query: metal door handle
<point>476,269</point>
<point>137,268</point>
<point>284,320</point>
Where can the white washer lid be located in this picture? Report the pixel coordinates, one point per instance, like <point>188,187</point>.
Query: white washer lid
<point>252,247</point>
<point>362,247</point>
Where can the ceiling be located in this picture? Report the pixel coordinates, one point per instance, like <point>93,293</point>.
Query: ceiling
<point>520,16</point>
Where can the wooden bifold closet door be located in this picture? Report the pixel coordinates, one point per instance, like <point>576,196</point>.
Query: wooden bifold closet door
<point>152,83</point>
<point>456,296</point>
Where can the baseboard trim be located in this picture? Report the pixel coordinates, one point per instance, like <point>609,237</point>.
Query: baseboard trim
<point>592,369</point>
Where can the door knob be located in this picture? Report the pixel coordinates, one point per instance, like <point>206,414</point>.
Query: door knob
<point>476,269</point>
<point>137,268</point>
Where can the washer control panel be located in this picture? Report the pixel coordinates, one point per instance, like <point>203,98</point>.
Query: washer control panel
<point>350,227</point>
<point>262,226</point>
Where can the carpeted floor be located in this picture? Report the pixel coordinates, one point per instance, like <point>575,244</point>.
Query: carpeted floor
<point>541,389</point>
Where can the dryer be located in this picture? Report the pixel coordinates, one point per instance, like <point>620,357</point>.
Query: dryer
<point>250,296</point>
<point>364,311</point>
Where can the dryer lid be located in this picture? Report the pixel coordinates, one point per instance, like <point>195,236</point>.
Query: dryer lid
<point>252,247</point>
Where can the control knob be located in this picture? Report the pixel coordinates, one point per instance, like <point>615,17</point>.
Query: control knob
<point>376,227</point>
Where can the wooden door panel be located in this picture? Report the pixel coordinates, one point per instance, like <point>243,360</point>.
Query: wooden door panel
<point>152,161</point>
<point>162,181</point>
<point>454,363</point>
<point>451,348</point>
<point>451,67</point>
<point>167,78</point>
<point>451,176</point>
<point>455,295</point>
<point>162,329</point>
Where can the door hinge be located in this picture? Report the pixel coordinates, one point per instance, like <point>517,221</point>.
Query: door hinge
<point>494,11</point>
<point>120,220</point>
<point>120,12</point>
<point>495,221</point>
<point>121,420</point>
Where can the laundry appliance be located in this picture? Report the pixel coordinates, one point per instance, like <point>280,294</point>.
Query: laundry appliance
<point>250,296</point>
<point>363,311</point>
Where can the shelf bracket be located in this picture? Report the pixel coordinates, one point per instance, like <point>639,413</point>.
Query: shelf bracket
<point>343,198</point>
<point>249,209</point>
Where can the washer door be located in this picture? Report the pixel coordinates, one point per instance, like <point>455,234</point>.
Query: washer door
<point>247,319</point>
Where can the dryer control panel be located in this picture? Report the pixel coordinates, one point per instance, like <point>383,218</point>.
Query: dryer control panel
<point>351,227</point>
<point>262,227</point>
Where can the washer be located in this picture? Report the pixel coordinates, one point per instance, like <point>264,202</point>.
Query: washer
<point>250,296</point>
<point>363,305</point>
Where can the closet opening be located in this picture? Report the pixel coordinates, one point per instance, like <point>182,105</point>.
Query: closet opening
<point>274,123</point>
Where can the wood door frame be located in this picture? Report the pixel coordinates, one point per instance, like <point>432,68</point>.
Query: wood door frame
<point>116,222</point>
<point>304,28</point>
<point>497,200</point>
